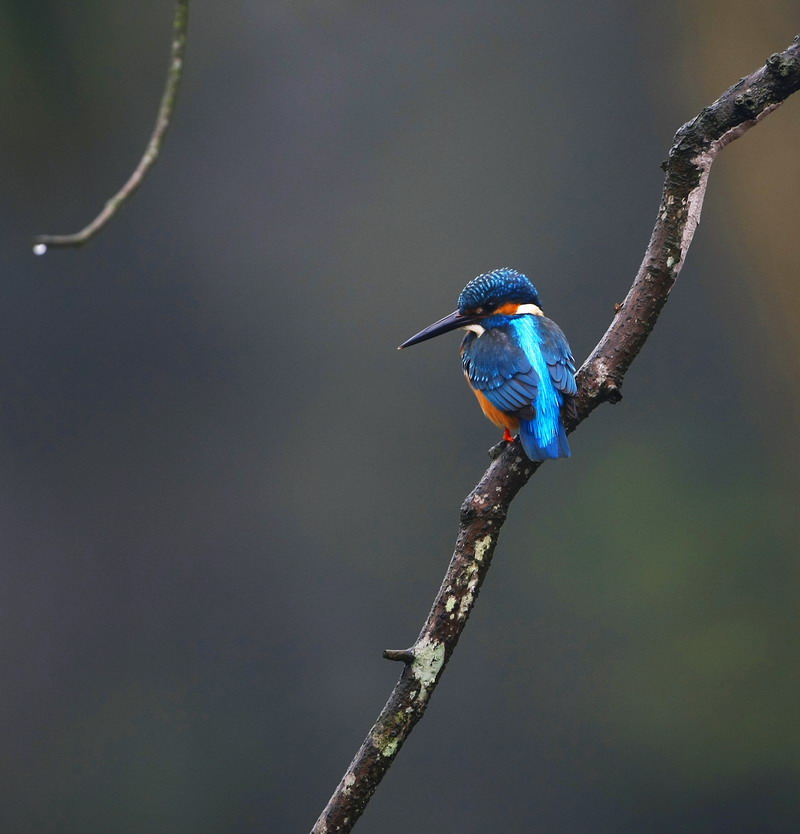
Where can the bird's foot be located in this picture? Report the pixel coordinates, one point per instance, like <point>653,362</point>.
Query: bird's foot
<point>500,447</point>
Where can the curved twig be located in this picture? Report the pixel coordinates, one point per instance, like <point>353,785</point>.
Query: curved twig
<point>150,157</point>
<point>694,149</point>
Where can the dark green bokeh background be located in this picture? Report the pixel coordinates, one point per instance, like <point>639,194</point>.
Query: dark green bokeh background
<point>224,493</point>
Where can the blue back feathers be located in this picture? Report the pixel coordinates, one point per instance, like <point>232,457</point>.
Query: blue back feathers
<point>544,436</point>
<point>504,284</point>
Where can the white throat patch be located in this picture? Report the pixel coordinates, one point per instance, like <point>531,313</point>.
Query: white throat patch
<point>529,308</point>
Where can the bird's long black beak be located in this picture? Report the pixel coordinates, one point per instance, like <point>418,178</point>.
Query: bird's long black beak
<point>445,325</point>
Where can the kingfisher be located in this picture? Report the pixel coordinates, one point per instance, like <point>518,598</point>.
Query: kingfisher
<point>517,362</point>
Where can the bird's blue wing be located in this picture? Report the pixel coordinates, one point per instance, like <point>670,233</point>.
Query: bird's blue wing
<point>497,365</point>
<point>558,356</point>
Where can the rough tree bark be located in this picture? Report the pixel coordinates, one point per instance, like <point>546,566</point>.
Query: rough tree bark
<point>695,146</point>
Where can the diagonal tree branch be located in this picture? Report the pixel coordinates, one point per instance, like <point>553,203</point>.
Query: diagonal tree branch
<point>152,151</point>
<point>695,146</point>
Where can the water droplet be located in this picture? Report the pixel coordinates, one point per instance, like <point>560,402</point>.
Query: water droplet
<point>40,249</point>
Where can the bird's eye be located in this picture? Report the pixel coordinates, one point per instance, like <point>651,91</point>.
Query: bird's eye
<point>490,306</point>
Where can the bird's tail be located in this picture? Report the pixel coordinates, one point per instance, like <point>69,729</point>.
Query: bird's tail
<point>538,449</point>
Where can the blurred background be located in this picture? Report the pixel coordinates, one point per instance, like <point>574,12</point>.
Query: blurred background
<point>223,492</point>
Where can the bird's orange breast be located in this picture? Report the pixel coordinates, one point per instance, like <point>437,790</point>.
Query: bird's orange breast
<point>499,418</point>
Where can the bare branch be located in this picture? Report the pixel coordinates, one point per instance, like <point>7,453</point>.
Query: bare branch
<point>150,157</point>
<point>694,149</point>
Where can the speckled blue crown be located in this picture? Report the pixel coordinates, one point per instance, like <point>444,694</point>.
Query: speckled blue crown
<point>504,284</point>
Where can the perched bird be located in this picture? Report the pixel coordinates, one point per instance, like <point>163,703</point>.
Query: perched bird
<point>516,361</point>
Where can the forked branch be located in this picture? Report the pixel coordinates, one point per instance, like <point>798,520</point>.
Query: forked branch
<point>152,151</point>
<point>694,149</point>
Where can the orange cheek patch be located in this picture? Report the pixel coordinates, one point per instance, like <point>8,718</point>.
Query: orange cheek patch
<point>507,309</point>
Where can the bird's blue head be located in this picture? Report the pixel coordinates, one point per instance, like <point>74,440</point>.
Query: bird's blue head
<point>493,290</point>
<point>499,292</point>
